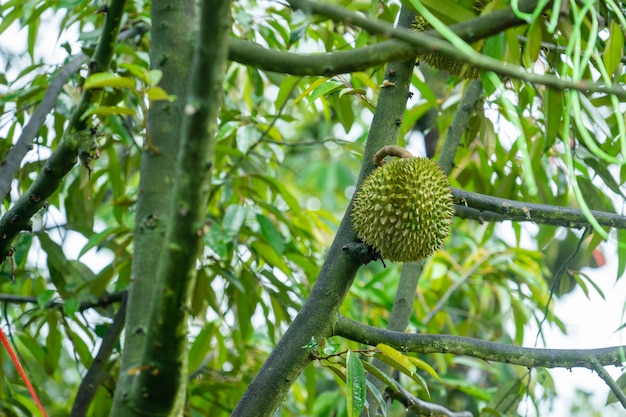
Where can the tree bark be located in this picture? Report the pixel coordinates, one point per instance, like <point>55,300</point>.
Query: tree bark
<point>171,50</point>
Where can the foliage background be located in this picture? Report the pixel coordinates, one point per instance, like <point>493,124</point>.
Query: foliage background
<point>288,150</point>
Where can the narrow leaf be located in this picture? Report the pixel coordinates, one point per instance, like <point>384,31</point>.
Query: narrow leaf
<point>420,364</point>
<point>108,110</point>
<point>355,385</point>
<point>107,79</point>
<point>382,404</point>
<point>329,87</point>
<point>156,93</point>
<point>614,48</point>
<point>553,110</point>
<point>396,359</point>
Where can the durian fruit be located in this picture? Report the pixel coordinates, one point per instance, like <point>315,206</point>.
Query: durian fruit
<point>404,209</point>
<point>442,62</point>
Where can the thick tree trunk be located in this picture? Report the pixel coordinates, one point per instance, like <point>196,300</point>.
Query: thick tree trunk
<point>171,50</point>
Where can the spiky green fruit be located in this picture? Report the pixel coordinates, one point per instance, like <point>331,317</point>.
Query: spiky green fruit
<point>442,62</point>
<point>404,209</point>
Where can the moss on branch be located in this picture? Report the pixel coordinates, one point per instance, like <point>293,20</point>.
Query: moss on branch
<point>488,208</point>
<point>476,348</point>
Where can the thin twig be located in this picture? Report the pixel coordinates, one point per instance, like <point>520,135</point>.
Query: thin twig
<point>557,279</point>
<point>466,107</point>
<point>264,134</point>
<point>102,301</point>
<point>615,389</point>
<point>421,407</point>
<point>97,372</point>
<point>442,301</point>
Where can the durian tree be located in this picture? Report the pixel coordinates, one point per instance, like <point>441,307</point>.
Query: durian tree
<point>307,208</point>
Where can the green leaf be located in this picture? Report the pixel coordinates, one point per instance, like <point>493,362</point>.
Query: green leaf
<point>101,330</point>
<point>601,169</point>
<point>33,345</point>
<point>310,88</point>
<point>344,112</point>
<point>356,386</point>
<point>108,79</point>
<point>9,18</point>
<point>449,11</point>
<point>392,384</point>
<point>54,344</point>
<point>621,254</point>
<point>44,297</point>
<point>380,401</point>
<point>326,89</point>
<point>80,347</point>
<point>67,275</point>
<point>233,220</point>
<point>154,77</point>
<point>199,296</point>
<point>271,234</point>
<point>286,90</point>
<point>553,110</point>
<point>108,110</point>
<point>396,359</point>
<point>507,397</point>
<point>533,44</point>
<point>421,382</point>
<point>156,93</point>
<point>402,363</point>
<point>297,34</point>
<point>420,364</point>
<point>614,48</point>
<point>200,346</point>
<point>79,205</point>
<point>71,306</point>
<point>266,252</point>
<point>99,238</point>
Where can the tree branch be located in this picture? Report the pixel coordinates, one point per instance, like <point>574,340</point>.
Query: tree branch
<point>490,208</point>
<point>457,128</point>
<point>615,388</point>
<point>361,59</point>
<point>11,164</point>
<point>476,348</point>
<point>76,139</point>
<point>96,373</point>
<point>423,408</point>
<point>432,43</point>
<point>102,301</point>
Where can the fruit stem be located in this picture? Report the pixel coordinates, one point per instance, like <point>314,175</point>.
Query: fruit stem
<point>390,150</point>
